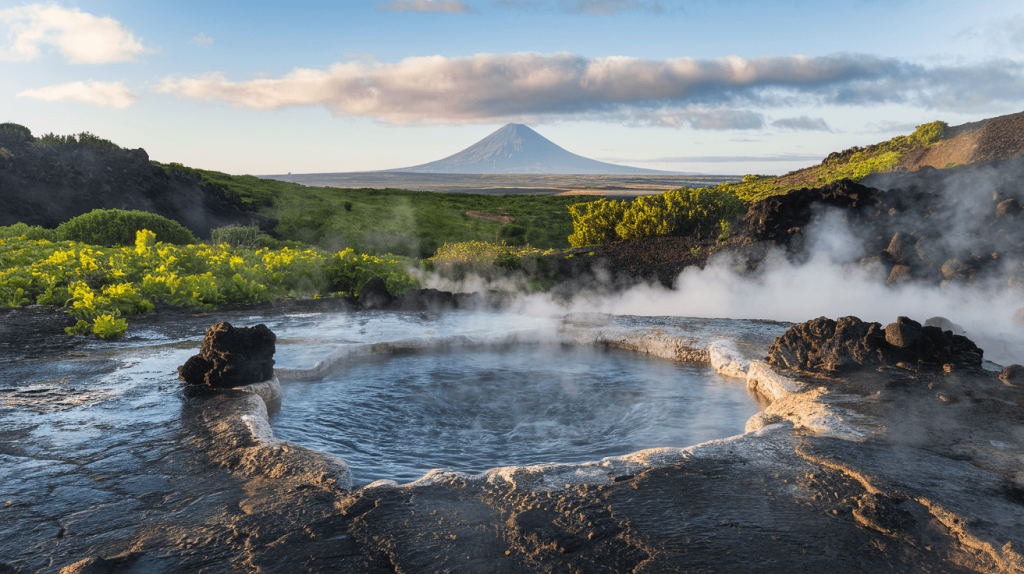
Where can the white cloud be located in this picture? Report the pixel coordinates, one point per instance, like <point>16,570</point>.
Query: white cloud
<point>449,6</point>
<point>583,6</point>
<point>201,39</point>
<point>108,94</point>
<point>803,123</point>
<point>704,94</point>
<point>81,37</point>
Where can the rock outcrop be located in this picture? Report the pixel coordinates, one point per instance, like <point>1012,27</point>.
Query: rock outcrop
<point>848,344</point>
<point>231,357</point>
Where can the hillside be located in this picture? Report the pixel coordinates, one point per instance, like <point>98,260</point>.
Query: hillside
<point>932,145</point>
<point>48,181</point>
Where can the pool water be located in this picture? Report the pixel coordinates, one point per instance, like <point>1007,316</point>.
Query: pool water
<point>398,417</point>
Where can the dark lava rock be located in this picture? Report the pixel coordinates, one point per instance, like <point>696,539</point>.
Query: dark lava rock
<point>849,343</point>
<point>900,247</point>
<point>375,295</point>
<point>953,268</point>
<point>778,218</point>
<point>231,357</point>
<point>904,333</point>
<point>1007,208</point>
<point>900,274</point>
<point>429,299</point>
<point>1013,375</point>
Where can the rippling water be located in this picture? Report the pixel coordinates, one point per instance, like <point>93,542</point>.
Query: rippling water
<point>399,417</point>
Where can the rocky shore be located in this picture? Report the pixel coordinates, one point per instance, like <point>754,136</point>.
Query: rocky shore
<point>893,463</point>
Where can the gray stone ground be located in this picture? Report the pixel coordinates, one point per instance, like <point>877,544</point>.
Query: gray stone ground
<point>891,471</point>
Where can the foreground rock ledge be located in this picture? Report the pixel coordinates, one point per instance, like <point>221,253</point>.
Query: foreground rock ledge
<point>935,482</point>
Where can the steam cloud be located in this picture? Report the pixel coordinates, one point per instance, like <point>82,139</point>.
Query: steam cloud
<point>81,37</point>
<point>525,86</point>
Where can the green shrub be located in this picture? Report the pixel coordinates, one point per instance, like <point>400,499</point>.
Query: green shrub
<point>83,139</point>
<point>31,232</point>
<point>112,227</point>
<point>247,236</point>
<point>686,211</point>
<point>593,223</point>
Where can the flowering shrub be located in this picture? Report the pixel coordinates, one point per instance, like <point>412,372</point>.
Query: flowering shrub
<point>97,285</point>
<point>685,211</point>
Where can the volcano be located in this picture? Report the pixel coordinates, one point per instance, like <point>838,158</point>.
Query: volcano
<point>516,148</point>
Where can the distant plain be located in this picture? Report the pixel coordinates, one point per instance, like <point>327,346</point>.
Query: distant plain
<point>611,186</point>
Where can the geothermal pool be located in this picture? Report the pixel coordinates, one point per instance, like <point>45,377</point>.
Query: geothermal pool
<point>398,417</point>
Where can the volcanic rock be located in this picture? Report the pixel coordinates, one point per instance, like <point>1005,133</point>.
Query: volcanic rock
<point>231,357</point>
<point>1012,375</point>
<point>900,274</point>
<point>953,268</point>
<point>849,343</point>
<point>776,218</point>
<point>900,247</point>
<point>1007,208</point>
<point>375,295</point>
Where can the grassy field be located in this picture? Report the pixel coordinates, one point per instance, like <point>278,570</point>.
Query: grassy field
<point>402,222</point>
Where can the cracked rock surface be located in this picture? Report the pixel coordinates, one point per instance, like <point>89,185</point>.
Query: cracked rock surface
<point>933,481</point>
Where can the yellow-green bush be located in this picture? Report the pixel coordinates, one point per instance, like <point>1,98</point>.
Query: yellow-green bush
<point>483,258</point>
<point>97,284</point>
<point>685,211</point>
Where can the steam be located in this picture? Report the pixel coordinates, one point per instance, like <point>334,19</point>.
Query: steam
<point>826,278</point>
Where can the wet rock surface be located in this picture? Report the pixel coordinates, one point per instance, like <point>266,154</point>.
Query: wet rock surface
<point>231,357</point>
<point>179,483</point>
<point>848,344</point>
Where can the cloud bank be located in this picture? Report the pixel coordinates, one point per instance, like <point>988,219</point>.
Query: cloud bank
<point>81,37</point>
<point>448,6</point>
<point>583,6</point>
<point>703,94</point>
<point>107,94</point>
<point>803,123</point>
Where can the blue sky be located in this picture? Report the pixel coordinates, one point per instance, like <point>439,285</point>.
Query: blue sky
<point>727,87</point>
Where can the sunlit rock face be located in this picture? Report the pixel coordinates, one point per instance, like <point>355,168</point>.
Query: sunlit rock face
<point>848,343</point>
<point>231,357</point>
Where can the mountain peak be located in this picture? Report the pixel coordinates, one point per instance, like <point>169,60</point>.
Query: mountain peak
<point>517,148</point>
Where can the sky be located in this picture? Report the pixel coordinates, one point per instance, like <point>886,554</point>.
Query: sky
<point>715,86</point>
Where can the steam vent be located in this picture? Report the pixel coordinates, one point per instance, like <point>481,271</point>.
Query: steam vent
<point>231,357</point>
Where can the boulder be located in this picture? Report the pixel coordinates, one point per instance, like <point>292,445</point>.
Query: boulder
<point>1012,376</point>
<point>900,247</point>
<point>849,343</point>
<point>946,325</point>
<point>375,295</point>
<point>1007,208</point>
<point>899,275</point>
<point>904,333</point>
<point>953,268</point>
<point>231,357</point>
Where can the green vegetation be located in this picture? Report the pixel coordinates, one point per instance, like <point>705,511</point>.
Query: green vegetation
<point>249,237</point>
<point>486,259</point>
<point>855,163</point>
<point>110,227</point>
<point>98,284</point>
<point>408,223</point>
<point>702,212</point>
<point>82,139</point>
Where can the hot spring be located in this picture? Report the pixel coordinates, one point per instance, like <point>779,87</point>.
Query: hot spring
<point>488,402</point>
